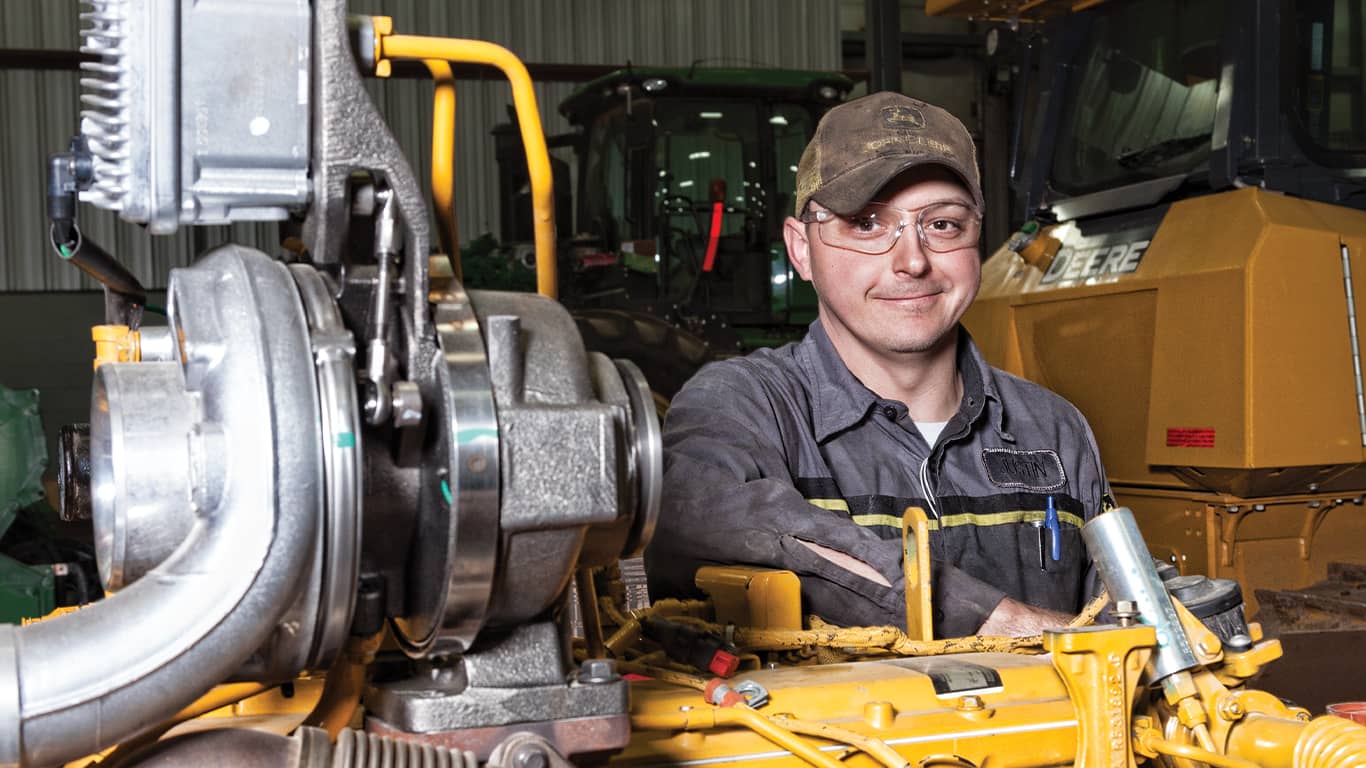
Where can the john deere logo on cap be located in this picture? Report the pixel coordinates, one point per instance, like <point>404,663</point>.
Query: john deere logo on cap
<point>902,117</point>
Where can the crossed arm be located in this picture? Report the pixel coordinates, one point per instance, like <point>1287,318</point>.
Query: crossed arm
<point>731,499</point>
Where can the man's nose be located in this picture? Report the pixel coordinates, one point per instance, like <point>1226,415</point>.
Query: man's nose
<point>909,255</point>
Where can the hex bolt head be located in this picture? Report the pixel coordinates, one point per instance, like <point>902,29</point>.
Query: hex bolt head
<point>530,757</point>
<point>598,671</point>
<point>1125,612</point>
<point>971,703</point>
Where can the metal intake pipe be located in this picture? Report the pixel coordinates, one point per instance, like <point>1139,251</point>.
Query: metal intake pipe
<point>240,468</point>
<point>1129,574</point>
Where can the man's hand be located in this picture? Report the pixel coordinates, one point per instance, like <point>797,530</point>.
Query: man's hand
<point>1013,618</point>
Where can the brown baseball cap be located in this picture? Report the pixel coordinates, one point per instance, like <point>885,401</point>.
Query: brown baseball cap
<point>862,144</point>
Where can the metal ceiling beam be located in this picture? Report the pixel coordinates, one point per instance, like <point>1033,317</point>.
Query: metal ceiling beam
<point>882,27</point>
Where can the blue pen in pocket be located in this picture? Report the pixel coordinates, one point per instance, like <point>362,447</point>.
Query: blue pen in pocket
<point>1050,521</point>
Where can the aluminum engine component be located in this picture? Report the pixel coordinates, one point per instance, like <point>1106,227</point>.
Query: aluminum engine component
<point>523,511</point>
<point>152,467</point>
<point>1127,569</point>
<point>244,355</point>
<point>185,114</point>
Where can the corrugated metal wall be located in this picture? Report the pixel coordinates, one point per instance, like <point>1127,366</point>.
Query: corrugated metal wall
<point>38,109</point>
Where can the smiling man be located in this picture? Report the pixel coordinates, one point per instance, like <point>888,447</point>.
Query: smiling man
<point>804,457</point>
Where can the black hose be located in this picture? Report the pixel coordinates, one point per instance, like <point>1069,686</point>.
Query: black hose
<point>93,260</point>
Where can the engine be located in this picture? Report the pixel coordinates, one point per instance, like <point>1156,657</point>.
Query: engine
<point>337,461</point>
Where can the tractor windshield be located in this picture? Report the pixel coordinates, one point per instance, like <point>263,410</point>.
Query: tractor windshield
<point>696,190</point>
<point>1141,101</point>
<point>678,157</point>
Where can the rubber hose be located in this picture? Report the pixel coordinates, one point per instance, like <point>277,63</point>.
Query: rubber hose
<point>357,749</point>
<point>1331,742</point>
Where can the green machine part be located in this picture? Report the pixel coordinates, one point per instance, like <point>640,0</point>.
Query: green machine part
<point>26,591</point>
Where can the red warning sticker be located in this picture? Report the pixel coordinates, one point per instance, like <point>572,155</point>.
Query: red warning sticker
<point>1190,437</point>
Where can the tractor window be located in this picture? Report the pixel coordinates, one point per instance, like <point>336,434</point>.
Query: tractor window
<point>1141,101</point>
<point>707,152</point>
<point>604,185</point>
<point>1328,86</point>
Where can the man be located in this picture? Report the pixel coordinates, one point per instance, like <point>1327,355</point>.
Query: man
<point>805,457</point>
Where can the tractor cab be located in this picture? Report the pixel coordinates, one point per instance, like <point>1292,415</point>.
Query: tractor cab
<point>685,176</point>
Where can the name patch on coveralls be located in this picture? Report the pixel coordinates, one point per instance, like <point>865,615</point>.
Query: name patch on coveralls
<point>1031,470</point>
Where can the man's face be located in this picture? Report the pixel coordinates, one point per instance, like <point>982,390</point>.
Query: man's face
<point>907,300</point>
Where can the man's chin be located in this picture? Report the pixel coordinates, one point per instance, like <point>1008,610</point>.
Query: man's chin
<point>917,344</point>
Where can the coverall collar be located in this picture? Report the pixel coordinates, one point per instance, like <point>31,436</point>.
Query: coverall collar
<point>839,400</point>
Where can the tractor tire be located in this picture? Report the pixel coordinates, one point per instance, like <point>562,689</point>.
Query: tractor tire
<point>666,354</point>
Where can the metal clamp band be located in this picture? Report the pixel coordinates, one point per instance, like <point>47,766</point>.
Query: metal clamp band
<point>470,524</point>
<point>338,554</point>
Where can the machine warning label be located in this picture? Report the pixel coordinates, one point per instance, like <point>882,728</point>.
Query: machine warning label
<point>1190,437</point>
<point>951,677</point>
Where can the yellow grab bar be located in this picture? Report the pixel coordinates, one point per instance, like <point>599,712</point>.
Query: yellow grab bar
<point>528,118</point>
<point>443,160</point>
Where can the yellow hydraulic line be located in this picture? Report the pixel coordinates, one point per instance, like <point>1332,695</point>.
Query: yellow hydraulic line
<point>1091,610</point>
<point>528,118</point>
<point>663,675</point>
<point>1150,741</point>
<point>345,683</point>
<point>704,719</point>
<point>889,638</point>
<point>443,160</point>
<point>218,697</point>
<point>875,747</point>
<point>626,635</point>
<point>588,610</point>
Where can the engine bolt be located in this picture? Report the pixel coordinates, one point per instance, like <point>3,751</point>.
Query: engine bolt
<point>1125,612</point>
<point>598,671</point>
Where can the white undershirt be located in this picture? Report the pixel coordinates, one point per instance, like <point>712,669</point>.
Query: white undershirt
<point>930,430</point>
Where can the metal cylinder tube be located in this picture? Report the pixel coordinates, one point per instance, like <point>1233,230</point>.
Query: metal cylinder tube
<point>89,679</point>
<point>1128,572</point>
<point>140,425</point>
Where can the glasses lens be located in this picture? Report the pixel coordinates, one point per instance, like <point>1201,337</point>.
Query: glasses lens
<point>872,230</point>
<point>949,226</point>
<point>944,227</point>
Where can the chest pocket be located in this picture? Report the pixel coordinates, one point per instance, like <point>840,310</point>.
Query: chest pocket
<point>1003,549</point>
<point>1043,581</point>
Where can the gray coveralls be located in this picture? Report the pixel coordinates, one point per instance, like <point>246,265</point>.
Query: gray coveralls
<point>787,444</point>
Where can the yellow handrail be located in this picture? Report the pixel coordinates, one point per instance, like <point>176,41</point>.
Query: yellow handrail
<point>443,160</point>
<point>528,118</point>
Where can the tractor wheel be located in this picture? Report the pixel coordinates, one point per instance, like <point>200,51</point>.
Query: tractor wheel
<point>666,354</point>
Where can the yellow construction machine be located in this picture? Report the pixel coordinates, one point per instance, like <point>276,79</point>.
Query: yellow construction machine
<point>339,501</point>
<point>1191,177</point>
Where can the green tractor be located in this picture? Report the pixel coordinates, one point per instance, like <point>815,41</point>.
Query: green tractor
<point>39,569</point>
<point>684,178</point>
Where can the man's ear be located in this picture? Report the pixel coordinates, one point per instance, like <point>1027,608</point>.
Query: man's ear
<point>798,247</point>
